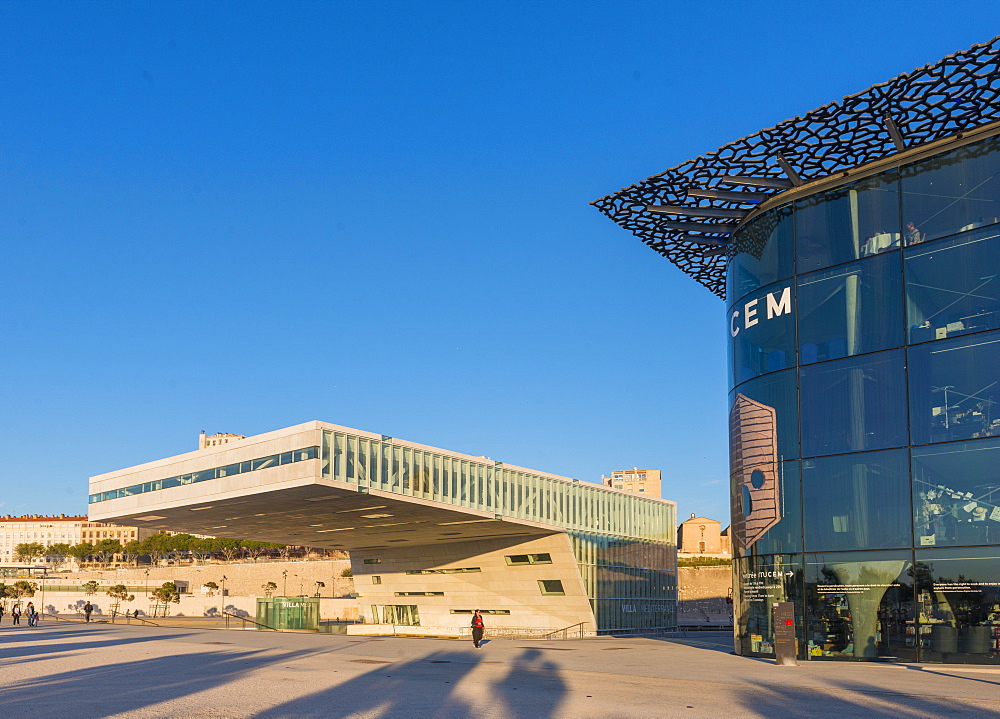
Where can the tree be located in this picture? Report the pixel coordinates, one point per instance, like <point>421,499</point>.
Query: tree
<point>106,549</point>
<point>119,593</point>
<point>167,593</point>
<point>90,587</point>
<point>155,546</point>
<point>130,553</point>
<point>212,587</point>
<point>26,551</point>
<point>57,554</point>
<point>268,588</point>
<point>230,548</point>
<point>347,572</point>
<point>22,588</point>
<point>81,551</point>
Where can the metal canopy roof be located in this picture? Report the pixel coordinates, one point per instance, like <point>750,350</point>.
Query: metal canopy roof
<point>956,94</point>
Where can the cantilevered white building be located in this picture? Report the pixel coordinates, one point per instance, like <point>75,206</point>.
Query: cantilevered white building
<point>433,534</point>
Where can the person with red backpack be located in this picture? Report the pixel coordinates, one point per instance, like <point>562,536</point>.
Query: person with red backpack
<point>477,629</point>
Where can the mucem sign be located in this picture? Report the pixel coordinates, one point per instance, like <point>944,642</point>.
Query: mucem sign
<point>856,249</point>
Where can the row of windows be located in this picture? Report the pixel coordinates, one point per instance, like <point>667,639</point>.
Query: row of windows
<point>491,487</point>
<point>937,392</point>
<point>545,586</point>
<point>419,594</point>
<point>252,465</point>
<point>937,291</point>
<point>458,570</point>
<point>950,193</point>
<point>939,495</point>
<point>930,605</point>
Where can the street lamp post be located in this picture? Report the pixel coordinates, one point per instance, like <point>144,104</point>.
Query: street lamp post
<point>45,573</point>
<point>284,583</point>
<point>223,593</point>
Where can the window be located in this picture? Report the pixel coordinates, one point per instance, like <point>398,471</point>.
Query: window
<point>763,329</point>
<point>958,592</point>
<point>419,594</point>
<point>205,475</point>
<point>376,579</point>
<point>763,253</point>
<point>860,605</point>
<point>953,192</point>
<point>265,462</point>
<point>404,615</point>
<point>517,560</point>
<point>850,310</point>
<point>481,611</point>
<point>856,501</point>
<point>955,389</point>
<point>953,286</point>
<point>956,493</point>
<point>550,586</point>
<point>458,570</point>
<point>853,405</point>
<point>373,561</point>
<point>847,223</point>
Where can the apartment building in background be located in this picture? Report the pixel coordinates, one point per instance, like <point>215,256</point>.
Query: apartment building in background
<point>640,481</point>
<point>59,529</point>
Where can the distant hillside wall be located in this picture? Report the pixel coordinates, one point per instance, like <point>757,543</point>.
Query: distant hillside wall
<point>70,604</point>
<point>242,579</point>
<point>704,589</point>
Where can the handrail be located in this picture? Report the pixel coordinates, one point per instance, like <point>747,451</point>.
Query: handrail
<point>245,620</point>
<point>130,618</point>
<point>565,631</point>
<point>574,631</point>
<point>56,616</point>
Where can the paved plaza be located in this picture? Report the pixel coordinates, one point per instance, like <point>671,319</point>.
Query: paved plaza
<point>67,669</point>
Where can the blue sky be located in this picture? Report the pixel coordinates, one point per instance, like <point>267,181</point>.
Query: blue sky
<point>238,217</point>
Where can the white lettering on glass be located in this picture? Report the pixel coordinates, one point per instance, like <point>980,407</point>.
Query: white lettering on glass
<point>781,306</point>
<point>750,316</point>
<point>733,329</point>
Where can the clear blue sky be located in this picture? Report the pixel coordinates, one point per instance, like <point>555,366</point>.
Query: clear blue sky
<point>238,217</point>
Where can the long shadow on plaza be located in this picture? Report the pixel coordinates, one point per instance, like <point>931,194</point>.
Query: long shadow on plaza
<point>15,647</point>
<point>131,685</point>
<point>841,699</point>
<point>428,687</point>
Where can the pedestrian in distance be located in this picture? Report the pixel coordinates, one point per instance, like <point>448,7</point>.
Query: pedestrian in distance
<point>477,629</point>
<point>1,612</point>
<point>87,609</point>
<point>30,613</point>
<point>15,614</point>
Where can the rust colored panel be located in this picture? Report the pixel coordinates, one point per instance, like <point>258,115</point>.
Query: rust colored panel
<point>753,456</point>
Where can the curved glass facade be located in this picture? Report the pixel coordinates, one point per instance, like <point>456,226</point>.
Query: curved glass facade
<point>865,415</point>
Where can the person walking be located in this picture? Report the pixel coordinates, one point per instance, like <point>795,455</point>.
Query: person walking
<point>87,609</point>
<point>30,612</point>
<point>477,629</point>
<point>15,614</point>
<point>1,612</point>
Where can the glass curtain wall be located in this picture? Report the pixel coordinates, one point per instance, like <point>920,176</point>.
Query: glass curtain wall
<point>865,421</point>
<point>625,544</point>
